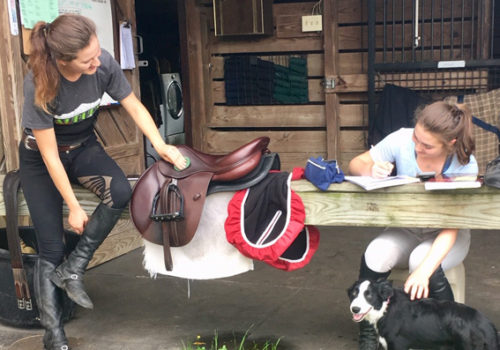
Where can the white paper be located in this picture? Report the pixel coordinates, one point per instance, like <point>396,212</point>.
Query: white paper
<point>127,59</point>
<point>370,183</point>
<point>14,25</point>
<point>100,12</point>
<point>451,64</point>
<point>106,100</point>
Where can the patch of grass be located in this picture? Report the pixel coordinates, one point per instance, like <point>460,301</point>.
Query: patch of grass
<point>231,344</point>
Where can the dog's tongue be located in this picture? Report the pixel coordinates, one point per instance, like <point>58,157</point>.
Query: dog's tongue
<point>357,317</point>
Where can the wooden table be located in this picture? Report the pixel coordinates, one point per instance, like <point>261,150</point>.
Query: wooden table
<point>409,205</point>
<point>346,204</point>
<point>343,204</point>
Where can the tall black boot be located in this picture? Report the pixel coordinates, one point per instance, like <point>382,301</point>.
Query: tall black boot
<point>69,275</point>
<point>366,273</point>
<point>49,302</point>
<point>368,337</point>
<point>439,287</point>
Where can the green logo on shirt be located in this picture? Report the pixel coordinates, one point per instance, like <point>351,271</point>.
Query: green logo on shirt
<point>77,118</point>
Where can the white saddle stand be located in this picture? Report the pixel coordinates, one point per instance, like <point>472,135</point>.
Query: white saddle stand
<point>208,255</point>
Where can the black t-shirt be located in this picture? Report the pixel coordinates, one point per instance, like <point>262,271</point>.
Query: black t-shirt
<point>74,110</point>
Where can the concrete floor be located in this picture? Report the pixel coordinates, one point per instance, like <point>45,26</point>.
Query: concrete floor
<point>305,309</point>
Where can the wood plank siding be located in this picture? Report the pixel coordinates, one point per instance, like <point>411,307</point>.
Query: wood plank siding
<point>343,128</point>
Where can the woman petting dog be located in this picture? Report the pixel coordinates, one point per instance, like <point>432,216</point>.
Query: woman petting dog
<point>62,93</point>
<point>441,142</point>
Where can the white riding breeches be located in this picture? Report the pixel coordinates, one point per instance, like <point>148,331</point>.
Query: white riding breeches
<point>407,247</point>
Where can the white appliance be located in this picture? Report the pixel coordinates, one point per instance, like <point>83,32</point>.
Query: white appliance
<point>172,102</point>
<point>172,113</point>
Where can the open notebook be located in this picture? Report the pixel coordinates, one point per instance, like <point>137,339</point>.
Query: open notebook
<point>371,183</point>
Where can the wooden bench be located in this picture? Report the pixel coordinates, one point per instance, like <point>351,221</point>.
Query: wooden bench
<point>410,205</point>
<point>122,239</point>
<point>342,204</point>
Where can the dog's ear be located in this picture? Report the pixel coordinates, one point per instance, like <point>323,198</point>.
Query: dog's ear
<point>382,279</point>
<point>351,288</point>
<point>385,289</point>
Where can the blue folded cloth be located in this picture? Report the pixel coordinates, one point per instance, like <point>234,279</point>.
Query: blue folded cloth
<point>321,173</point>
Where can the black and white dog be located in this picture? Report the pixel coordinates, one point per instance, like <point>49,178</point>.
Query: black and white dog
<point>426,323</point>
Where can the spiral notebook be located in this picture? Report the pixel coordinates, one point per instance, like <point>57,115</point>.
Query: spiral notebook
<point>371,183</point>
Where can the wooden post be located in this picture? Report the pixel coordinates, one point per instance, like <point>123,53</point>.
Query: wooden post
<point>330,44</point>
<point>11,82</point>
<point>195,65</point>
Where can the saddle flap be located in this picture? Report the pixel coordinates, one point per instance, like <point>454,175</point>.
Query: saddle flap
<point>193,190</point>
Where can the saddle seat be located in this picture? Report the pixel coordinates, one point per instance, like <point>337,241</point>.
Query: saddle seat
<point>166,203</point>
<point>227,167</point>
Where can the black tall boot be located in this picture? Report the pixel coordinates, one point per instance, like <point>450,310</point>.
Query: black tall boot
<point>69,275</point>
<point>368,337</point>
<point>49,302</point>
<point>439,287</point>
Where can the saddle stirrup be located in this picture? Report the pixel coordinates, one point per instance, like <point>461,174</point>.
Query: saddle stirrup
<point>169,202</point>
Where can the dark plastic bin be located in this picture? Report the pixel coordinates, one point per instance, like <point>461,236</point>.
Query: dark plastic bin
<point>9,313</point>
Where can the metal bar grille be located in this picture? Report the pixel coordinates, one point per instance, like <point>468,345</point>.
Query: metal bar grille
<point>452,47</point>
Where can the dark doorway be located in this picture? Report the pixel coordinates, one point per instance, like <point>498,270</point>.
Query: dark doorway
<point>159,67</point>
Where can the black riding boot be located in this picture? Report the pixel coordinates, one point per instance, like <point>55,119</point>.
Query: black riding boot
<point>368,337</point>
<point>69,274</point>
<point>49,302</point>
<point>439,287</point>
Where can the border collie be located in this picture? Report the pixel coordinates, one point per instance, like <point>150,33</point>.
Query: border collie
<point>426,323</point>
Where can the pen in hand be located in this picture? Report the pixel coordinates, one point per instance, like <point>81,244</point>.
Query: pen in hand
<point>382,169</point>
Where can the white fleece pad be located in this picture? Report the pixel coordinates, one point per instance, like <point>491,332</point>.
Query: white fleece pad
<point>208,255</point>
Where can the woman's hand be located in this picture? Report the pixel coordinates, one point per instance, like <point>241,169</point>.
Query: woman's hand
<point>172,155</point>
<point>381,169</point>
<point>77,220</point>
<point>417,285</point>
<point>145,122</point>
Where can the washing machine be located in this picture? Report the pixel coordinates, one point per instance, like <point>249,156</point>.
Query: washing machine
<point>172,104</point>
<point>172,114</point>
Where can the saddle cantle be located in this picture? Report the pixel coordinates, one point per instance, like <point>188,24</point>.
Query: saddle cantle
<point>166,203</point>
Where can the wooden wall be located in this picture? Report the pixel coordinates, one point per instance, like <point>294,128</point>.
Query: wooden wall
<point>300,131</point>
<point>297,131</point>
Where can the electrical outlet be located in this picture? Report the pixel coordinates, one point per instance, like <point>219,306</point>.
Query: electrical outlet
<point>312,23</point>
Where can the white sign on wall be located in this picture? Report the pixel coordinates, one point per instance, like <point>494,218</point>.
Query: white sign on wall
<point>100,12</point>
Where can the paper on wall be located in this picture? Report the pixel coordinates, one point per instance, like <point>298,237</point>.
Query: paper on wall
<point>14,25</point>
<point>127,59</point>
<point>33,11</point>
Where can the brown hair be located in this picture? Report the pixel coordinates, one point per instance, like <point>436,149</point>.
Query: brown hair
<point>448,122</point>
<point>59,40</point>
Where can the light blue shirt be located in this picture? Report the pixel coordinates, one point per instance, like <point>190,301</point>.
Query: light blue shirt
<point>399,148</point>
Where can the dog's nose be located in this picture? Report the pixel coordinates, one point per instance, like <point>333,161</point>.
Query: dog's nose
<point>355,309</point>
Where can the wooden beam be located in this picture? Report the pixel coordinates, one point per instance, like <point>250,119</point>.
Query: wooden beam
<point>330,50</point>
<point>267,116</point>
<point>198,74</point>
<point>346,204</point>
<point>270,44</point>
<point>11,82</point>
<point>411,205</point>
<point>221,142</point>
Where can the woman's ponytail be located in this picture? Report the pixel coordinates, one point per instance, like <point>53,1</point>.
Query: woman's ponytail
<point>43,65</point>
<point>465,144</point>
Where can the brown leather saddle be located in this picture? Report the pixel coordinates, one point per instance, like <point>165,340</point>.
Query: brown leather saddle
<point>166,203</point>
